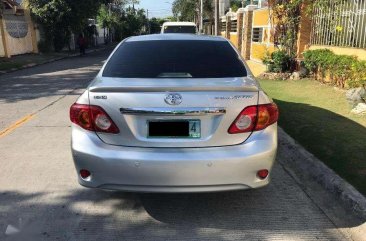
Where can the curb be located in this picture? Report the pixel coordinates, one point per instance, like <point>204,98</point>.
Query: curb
<point>306,163</point>
<point>27,66</point>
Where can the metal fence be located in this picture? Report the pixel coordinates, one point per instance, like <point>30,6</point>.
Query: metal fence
<point>234,25</point>
<point>223,26</point>
<point>340,23</point>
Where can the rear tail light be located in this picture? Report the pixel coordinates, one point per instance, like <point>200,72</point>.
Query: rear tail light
<point>255,118</point>
<point>92,118</point>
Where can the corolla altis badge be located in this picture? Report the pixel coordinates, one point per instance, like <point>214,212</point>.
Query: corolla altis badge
<point>173,99</point>
<point>235,97</point>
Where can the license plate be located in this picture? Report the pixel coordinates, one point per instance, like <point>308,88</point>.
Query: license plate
<point>174,129</point>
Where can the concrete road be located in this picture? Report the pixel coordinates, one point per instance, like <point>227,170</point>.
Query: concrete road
<point>40,196</point>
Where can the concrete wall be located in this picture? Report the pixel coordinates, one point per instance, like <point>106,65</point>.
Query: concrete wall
<point>261,19</point>
<point>234,39</point>
<point>17,34</point>
<point>258,51</point>
<point>2,50</point>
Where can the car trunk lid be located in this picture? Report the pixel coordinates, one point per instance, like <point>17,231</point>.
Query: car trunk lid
<point>141,111</point>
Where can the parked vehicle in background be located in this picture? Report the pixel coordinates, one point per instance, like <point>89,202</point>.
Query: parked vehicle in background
<point>174,113</point>
<point>179,27</point>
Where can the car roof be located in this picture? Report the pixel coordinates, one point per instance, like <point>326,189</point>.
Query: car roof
<point>175,36</point>
<point>179,24</point>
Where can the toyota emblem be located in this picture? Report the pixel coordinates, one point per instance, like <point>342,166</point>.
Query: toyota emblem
<point>173,99</point>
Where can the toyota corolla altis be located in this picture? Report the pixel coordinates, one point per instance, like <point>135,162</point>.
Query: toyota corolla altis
<point>174,113</point>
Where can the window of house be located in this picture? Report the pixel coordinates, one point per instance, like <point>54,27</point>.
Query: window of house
<point>257,35</point>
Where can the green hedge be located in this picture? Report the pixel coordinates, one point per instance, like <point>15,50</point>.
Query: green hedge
<point>279,62</point>
<point>342,70</point>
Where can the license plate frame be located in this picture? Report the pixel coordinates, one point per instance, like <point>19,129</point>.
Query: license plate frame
<point>194,129</point>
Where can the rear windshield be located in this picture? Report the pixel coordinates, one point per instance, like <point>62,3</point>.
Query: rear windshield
<point>175,59</point>
<point>179,29</point>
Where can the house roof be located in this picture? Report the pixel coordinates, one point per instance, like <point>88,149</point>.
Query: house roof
<point>9,4</point>
<point>13,5</point>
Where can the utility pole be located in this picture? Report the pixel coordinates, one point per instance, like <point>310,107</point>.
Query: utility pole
<point>201,18</point>
<point>217,17</point>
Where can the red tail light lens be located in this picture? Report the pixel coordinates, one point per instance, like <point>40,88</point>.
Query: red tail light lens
<point>249,116</point>
<point>92,118</point>
<point>255,118</point>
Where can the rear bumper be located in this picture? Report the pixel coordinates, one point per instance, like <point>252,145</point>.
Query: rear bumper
<point>174,169</point>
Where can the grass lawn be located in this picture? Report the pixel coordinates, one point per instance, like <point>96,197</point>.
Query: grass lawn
<point>6,65</point>
<point>18,61</point>
<point>21,60</point>
<point>318,117</point>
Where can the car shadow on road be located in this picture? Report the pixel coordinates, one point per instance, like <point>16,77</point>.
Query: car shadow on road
<point>279,211</point>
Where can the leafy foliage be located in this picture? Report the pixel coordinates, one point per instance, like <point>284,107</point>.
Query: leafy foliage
<point>61,17</point>
<point>235,5</point>
<point>286,19</point>
<point>104,18</point>
<point>341,70</point>
<point>44,46</point>
<point>187,10</point>
<point>132,22</point>
<point>155,25</point>
<point>126,21</point>
<point>278,61</point>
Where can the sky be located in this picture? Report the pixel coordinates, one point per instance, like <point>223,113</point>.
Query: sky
<point>157,8</point>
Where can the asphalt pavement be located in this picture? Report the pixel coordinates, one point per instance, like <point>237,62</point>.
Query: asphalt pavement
<point>40,198</point>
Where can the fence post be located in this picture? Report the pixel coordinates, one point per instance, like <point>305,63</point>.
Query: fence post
<point>304,33</point>
<point>228,27</point>
<point>247,31</point>
<point>239,17</point>
<point>32,30</point>
<point>4,38</point>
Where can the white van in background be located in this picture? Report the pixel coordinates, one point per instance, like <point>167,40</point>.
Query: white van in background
<point>179,27</point>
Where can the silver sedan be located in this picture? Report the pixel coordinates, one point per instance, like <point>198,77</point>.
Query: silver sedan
<point>174,113</point>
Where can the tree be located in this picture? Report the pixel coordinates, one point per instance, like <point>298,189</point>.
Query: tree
<point>286,16</point>
<point>107,19</point>
<point>188,10</point>
<point>155,24</point>
<point>133,22</point>
<point>61,17</point>
<point>235,5</point>
<point>122,18</point>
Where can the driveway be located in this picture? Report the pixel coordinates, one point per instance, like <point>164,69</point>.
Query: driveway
<point>40,196</point>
